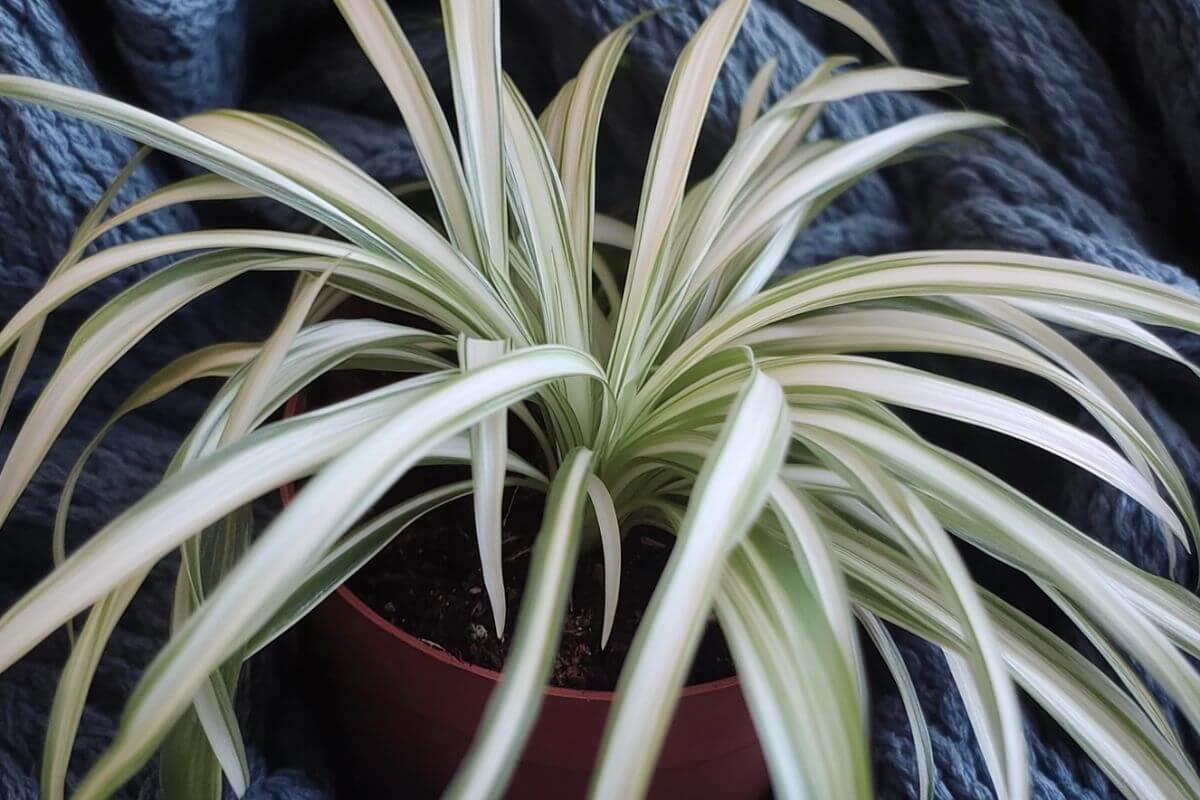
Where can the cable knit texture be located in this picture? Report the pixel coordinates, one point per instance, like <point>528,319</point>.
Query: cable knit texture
<point>1103,164</point>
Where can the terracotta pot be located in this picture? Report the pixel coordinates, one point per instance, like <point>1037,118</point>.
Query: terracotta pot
<point>404,713</point>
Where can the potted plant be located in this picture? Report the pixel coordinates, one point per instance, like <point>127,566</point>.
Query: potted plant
<point>678,389</point>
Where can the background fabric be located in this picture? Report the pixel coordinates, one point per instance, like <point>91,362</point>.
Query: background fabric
<point>1103,164</point>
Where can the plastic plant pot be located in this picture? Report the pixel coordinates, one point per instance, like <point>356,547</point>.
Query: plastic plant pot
<point>403,713</point>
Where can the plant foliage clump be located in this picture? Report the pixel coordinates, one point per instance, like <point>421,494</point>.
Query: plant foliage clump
<point>664,378</point>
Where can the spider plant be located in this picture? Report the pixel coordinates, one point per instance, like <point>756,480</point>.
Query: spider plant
<point>664,379</point>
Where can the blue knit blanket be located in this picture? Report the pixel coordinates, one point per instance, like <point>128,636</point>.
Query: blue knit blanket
<point>1103,164</point>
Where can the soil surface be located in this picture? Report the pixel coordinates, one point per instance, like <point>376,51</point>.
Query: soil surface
<point>429,583</point>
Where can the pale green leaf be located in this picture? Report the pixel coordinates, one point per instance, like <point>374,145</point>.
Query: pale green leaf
<point>846,15</point>
<point>23,352</point>
<point>393,57</point>
<point>178,140</point>
<point>489,446</point>
<point>576,151</point>
<point>513,707</point>
<point>473,48</point>
<point>812,730</point>
<point>885,643</point>
<point>610,543</point>
<point>675,140</point>
<point>982,678</point>
<point>756,93</point>
<point>729,493</point>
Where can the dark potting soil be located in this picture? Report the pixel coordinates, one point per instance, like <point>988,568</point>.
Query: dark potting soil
<point>429,583</point>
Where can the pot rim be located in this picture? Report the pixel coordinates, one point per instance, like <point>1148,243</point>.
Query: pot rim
<point>591,695</point>
<point>288,491</point>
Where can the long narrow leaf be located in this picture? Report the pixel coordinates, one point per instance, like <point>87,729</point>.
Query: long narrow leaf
<point>756,92</point>
<point>178,140</point>
<point>512,708</point>
<point>473,48</point>
<point>885,643</point>
<point>845,14</point>
<point>489,445</point>
<point>576,150</point>
<point>610,543</point>
<point>394,59</point>
<point>670,157</point>
<point>729,494</point>
<point>89,228</point>
<point>983,676</point>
